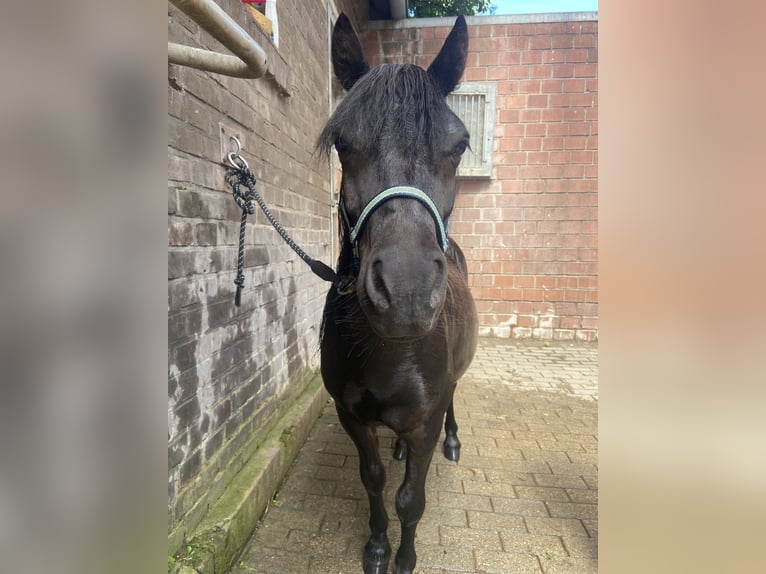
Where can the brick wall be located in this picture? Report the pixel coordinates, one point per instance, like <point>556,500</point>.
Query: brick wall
<point>232,369</point>
<point>529,232</point>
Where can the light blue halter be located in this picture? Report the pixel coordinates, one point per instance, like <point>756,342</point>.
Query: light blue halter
<point>381,198</point>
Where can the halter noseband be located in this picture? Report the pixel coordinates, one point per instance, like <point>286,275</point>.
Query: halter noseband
<point>380,199</point>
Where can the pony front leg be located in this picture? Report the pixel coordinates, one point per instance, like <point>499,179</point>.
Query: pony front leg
<point>377,551</point>
<point>411,496</point>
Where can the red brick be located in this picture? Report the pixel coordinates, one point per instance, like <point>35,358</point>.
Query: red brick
<point>589,27</point>
<point>574,171</point>
<point>531,144</point>
<point>512,158</point>
<point>507,87</point>
<point>558,129</point>
<point>548,226</point>
<point>497,73</point>
<point>518,72</point>
<point>523,281</point>
<point>553,143</point>
<point>564,254</point>
<point>507,174</point>
<point>589,322</point>
<point>551,86</point>
<point>539,42</point>
<point>533,294</point>
<point>563,42</point>
<point>529,116</point>
<point>524,227</point>
<point>575,142</point>
<point>510,130</point>
<point>584,157</point>
<point>511,185</point>
<point>475,75</point>
<point>585,41</point>
<point>532,186</point>
<point>574,295</point>
<point>471,60</point>
<point>552,115</point>
<point>511,294</point>
<point>510,58</point>
<point>532,57</point>
<point>529,172</point>
<point>551,171</point>
<point>570,322</point>
<point>510,144</point>
<point>585,70</point>
<point>488,59</point>
<point>560,70</point>
<point>532,213</point>
<point>540,71</point>
<point>543,28</point>
<point>554,57</point>
<point>512,267</point>
<point>529,86</point>
<point>584,100</point>
<point>587,282</point>
<point>576,85</point>
<point>509,116</point>
<point>578,55</point>
<point>516,101</point>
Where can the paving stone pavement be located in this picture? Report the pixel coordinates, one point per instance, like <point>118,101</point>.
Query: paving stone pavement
<point>523,498</point>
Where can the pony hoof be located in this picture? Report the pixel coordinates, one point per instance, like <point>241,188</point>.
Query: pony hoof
<point>452,449</point>
<point>376,564</point>
<point>371,567</point>
<point>376,557</point>
<point>400,450</point>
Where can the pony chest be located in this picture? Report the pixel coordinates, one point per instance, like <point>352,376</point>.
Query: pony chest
<point>392,394</point>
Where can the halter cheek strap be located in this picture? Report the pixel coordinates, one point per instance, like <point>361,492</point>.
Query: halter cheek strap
<point>391,193</point>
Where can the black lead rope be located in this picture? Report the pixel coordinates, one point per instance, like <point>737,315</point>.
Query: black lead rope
<point>237,177</point>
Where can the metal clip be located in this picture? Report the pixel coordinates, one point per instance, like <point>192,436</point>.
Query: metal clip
<point>234,156</point>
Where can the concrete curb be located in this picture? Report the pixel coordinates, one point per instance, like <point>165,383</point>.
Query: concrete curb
<point>218,540</point>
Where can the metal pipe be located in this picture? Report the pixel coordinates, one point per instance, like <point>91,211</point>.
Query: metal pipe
<point>251,59</point>
<point>398,9</point>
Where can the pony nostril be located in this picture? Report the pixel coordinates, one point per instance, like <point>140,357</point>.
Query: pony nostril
<point>439,289</point>
<point>376,287</point>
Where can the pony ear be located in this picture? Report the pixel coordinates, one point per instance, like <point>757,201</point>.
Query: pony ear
<point>347,57</point>
<point>449,64</point>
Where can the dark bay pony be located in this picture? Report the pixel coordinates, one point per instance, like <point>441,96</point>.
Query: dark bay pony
<point>401,329</point>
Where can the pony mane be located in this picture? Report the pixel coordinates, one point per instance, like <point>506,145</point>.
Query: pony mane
<point>390,101</point>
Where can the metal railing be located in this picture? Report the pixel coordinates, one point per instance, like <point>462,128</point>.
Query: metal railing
<point>249,60</point>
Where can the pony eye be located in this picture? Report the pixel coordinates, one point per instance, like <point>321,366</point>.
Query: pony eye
<point>340,145</point>
<point>460,148</point>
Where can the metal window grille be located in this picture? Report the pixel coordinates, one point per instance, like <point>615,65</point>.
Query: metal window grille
<point>474,103</point>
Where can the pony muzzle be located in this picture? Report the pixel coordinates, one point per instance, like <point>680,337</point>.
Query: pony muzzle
<point>405,290</point>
